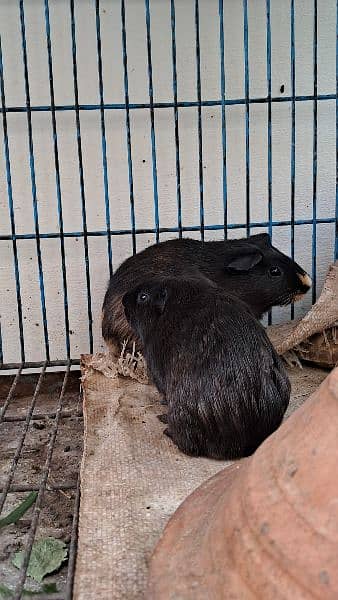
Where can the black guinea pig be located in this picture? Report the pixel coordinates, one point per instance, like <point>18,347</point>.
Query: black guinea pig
<point>225,386</point>
<point>248,268</point>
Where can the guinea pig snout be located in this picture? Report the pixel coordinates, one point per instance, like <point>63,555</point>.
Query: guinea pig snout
<point>305,281</point>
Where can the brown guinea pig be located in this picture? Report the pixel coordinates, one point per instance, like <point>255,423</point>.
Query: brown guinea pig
<point>248,268</point>
<point>225,386</point>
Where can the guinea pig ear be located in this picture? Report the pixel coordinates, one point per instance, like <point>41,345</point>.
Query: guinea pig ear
<point>161,300</point>
<point>245,261</point>
<point>262,240</point>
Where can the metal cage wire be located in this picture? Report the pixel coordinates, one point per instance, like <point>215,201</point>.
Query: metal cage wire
<point>44,482</point>
<point>133,231</point>
<point>77,109</point>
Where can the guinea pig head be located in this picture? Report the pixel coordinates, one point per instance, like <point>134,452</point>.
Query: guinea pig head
<point>144,305</point>
<point>268,277</point>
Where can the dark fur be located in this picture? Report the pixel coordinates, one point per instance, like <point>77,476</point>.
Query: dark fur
<point>225,386</point>
<point>241,267</point>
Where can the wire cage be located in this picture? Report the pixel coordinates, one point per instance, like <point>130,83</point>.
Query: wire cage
<point>127,122</point>
<point>266,162</point>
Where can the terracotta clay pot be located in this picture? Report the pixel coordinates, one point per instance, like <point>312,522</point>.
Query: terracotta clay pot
<point>266,527</point>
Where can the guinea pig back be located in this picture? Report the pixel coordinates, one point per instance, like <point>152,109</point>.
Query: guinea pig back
<point>249,268</point>
<point>224,384</point>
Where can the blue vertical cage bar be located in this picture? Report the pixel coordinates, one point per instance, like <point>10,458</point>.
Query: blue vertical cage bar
<point>247,114</point>
<point>1,351</point>
<point>152,124</point>
<point>268,79</point>
<point>82,185</point>
<point>293,130</point>
<point>224,136</point>
<point>199,116</point>
<point>177,140</point>
<point>33,182</point>
<point>314,154</point>
<point>103,135</point>
<point>126,99</point>
<point>336,224</point>
<point>57,177</point>
<point>11,208</point>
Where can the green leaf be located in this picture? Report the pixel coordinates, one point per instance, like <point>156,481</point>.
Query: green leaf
<point>47,556</point>
<point>5,592</point>
<point>19,511</point>
<point>47,588</point>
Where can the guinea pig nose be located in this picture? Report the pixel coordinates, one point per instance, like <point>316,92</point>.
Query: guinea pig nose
<point>305,280</point>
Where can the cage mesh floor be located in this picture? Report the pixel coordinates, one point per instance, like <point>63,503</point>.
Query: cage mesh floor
<point>41,431</point>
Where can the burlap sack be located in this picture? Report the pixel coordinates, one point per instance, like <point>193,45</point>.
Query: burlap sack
<point>132,477</point>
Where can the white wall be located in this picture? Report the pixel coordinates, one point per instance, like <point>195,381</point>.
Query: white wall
<point>141,146</point>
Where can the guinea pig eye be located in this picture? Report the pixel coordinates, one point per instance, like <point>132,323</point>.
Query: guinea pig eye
<point>142,297</point>
<point>275,271</point>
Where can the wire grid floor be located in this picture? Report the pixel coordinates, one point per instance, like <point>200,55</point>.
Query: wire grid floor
<point>44,482</point>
